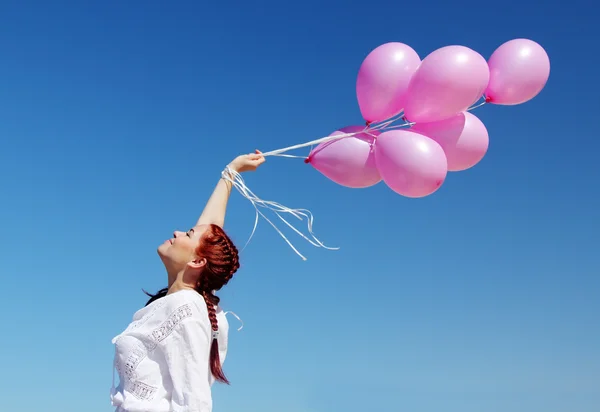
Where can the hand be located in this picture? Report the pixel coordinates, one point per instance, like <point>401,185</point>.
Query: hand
<point>247,163</point>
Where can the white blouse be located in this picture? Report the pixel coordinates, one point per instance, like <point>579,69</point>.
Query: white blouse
<point>162,358</point>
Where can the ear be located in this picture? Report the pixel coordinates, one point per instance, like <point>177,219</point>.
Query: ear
<point>197,263</point>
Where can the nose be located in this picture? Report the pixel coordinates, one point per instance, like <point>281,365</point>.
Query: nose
<point>176,233</point>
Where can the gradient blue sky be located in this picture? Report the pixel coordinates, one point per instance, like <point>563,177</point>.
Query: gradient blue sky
<point>117,118</point>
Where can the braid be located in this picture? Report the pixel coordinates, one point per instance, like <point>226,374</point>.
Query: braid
<point>222,261</point>
<point>232,255</point>
<point>211,301</point>
<point>212,313</point>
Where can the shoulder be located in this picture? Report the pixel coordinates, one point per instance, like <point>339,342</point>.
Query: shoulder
<point>185,312</point>
<point>185,299</point>
<point>191,298</point>
<point>179,311</point>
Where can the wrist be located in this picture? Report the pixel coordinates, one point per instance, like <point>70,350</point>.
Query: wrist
<point>229,173</point>
<point>234,167</point>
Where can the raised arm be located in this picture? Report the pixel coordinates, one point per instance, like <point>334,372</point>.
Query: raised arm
<point>216,207</point>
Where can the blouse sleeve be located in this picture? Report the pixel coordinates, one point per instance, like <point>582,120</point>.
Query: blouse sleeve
<point>187,357</point>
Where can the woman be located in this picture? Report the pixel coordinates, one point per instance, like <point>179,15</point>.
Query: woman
<point>171,354</point>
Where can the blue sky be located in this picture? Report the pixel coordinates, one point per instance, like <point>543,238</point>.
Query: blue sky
<point>117,118</point>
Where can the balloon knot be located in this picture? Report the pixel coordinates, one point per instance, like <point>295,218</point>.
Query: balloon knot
<point>488,99</point>
<point>368,123</point>
<point>307,160</point>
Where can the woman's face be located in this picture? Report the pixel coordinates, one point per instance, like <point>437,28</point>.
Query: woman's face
<point>179,250</point>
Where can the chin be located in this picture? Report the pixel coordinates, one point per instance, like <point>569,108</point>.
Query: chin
<point>163,258</point>
<point>161,250</point>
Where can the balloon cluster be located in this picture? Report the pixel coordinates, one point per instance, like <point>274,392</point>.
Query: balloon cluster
<point>433,99</point>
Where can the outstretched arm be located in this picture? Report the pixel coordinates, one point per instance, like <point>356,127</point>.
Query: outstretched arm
<point>214,211</point>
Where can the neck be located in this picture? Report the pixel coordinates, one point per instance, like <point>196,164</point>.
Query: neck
<point>177,282</point>
<point>177,286</point>
<point>172,277</point>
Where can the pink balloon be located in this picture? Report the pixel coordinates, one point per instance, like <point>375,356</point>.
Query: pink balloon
<point>447,82</point>
<point>382,80</point>
<point>519,70</point>
<point>411,164</point>
<point>348,161</point>
<point>464,138</point>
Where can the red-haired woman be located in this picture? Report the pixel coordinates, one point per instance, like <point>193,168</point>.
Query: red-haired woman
<point>171,354</point>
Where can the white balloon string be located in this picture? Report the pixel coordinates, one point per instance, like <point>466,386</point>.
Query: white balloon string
<point>288,155</point>
<point>385,123</point>
<point>312,142</point>
<point>237,317</point>
<point>301,214</point>
<point>478,105</point>
<point>400,126</point>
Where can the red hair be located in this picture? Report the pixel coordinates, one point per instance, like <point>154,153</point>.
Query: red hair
<point>222,262</point>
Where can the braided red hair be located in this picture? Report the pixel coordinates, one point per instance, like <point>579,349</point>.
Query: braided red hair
<point>222,262</point>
